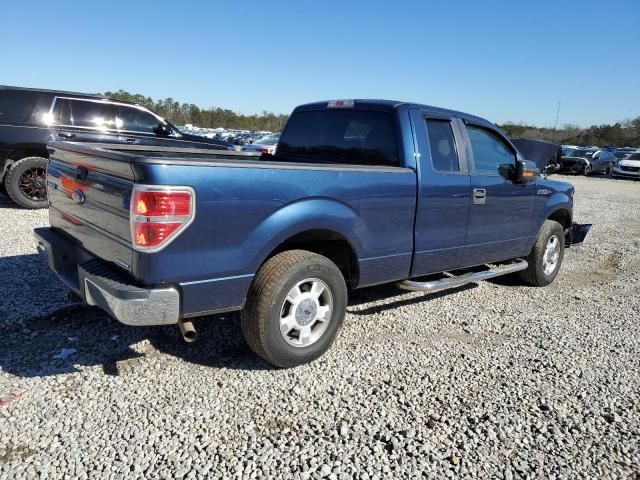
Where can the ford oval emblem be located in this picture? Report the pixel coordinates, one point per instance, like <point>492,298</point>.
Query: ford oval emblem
<point>78,196</point>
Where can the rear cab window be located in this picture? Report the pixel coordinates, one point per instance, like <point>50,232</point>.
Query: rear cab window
<point>359,137</point>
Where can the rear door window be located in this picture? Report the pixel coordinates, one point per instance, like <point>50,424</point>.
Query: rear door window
<point>24,107</point>
<point>88,114</point>
<point>340,136</point>
<point>444,156</point>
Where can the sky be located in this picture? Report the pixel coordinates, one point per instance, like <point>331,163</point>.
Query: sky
<point>502,60</point>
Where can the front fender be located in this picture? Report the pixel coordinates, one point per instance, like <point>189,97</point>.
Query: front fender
<point>552,204</point>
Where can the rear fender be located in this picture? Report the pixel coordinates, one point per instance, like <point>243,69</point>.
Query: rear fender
<point>304,215</point>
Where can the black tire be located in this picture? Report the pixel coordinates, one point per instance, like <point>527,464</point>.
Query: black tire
<point>267,300</point>
<point>535,273</point>
<point>587,170</point>
<point>27,192</point>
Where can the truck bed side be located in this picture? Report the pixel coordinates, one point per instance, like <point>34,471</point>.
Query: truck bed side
<point>245,210</point>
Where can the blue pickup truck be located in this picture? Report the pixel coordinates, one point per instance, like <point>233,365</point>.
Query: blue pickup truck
<point>358,193</point>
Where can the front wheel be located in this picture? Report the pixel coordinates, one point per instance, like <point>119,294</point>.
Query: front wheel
<point>587,170</point>
<point>546,256</point>
<point>295,308</point>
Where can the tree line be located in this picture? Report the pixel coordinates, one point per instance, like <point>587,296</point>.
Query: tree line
<point>213,117</point>
<point>621,134</point>
<point>626,133</point>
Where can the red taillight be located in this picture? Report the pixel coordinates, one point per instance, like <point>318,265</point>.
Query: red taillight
<point>152,234</point>
<point>161,204</point>
<point>159,214</point>
<point>263,150</point>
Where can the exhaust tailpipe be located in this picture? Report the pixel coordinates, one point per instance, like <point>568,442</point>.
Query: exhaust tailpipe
<point>188,331</point>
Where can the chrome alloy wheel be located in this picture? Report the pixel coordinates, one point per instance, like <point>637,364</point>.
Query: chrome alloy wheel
<point>306,312</point>
<point>551,255</point>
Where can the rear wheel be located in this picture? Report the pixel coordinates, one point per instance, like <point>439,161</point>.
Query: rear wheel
<point>26,182</point>
<point>587,170</point>
<point>295,308</point>
<point>546,256</point>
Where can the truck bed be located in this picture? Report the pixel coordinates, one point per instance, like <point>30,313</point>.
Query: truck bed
<point>245,208</point>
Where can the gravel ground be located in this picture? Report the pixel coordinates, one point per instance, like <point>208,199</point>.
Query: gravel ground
<point>494,380</point>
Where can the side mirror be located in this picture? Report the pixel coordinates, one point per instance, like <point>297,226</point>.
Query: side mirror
<point>162,130</point>
<point>526,171</point>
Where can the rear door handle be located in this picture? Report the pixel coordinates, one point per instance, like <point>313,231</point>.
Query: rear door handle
<point>66,135</point>
<point>130,140</point>
<point>479,196</point>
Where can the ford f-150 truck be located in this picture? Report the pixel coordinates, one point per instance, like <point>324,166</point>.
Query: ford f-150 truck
<point>358,193</point>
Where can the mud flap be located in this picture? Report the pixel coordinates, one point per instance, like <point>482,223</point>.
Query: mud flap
<point>577,233</point>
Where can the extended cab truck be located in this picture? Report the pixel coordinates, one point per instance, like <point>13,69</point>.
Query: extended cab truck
<point>30,118</point>
<point>359,193</point>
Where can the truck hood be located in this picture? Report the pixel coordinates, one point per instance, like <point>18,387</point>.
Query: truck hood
<point>538,151</point>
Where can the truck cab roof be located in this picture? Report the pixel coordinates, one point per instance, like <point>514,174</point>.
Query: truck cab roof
<point>383,105</point>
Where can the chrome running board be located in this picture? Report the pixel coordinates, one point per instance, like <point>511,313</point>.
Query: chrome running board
<point>459,280</point>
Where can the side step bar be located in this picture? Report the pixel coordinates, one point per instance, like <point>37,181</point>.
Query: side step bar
<point>459,280</point>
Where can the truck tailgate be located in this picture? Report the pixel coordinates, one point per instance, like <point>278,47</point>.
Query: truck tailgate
<point>89,192</point>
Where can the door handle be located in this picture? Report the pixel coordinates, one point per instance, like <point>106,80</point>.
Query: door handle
<point>479,196</point>
<point>66,135</point>
<point>130,140</point>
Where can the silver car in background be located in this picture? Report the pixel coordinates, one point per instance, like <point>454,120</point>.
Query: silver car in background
<point>263,145</point>
<point>628,167</point>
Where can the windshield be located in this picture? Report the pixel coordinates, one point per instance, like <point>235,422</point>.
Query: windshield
<point>634,156</point>
<point>580,153</point>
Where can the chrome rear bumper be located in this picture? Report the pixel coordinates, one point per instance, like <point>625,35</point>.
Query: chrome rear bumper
<point>102,285</point>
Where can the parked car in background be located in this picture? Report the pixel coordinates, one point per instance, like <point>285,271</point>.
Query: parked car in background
<point>629,166</point>
<point>30,118</point>
<point>576,161</point>
<point>601,161</point>
<point>263,145</point>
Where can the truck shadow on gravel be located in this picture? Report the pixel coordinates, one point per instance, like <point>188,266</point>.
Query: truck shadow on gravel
<point>79,335</point>
<point>76,335</point>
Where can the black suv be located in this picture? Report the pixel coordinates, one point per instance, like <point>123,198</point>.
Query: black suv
<point>29,118</point>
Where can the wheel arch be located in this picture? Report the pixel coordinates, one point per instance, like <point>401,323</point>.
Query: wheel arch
<point>323,241</point>
<point>18,152</point>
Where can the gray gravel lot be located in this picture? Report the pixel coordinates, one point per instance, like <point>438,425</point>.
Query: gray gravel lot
<point>494,380</point>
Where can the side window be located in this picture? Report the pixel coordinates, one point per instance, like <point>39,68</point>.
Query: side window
<point>24,107</point>
<point>135,120</point>
<point>444,156</point>
<point>489,151</point>
<point>61,112</point>
<point>93,114</point>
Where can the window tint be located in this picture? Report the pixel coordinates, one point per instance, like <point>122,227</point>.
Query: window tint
<point>340,136</point>
<point>61,112</point>
<point>489,151</point>
<point>443,147</point>
<point>135,120</point>
<point>93,114</point>
<point>24,107</point>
